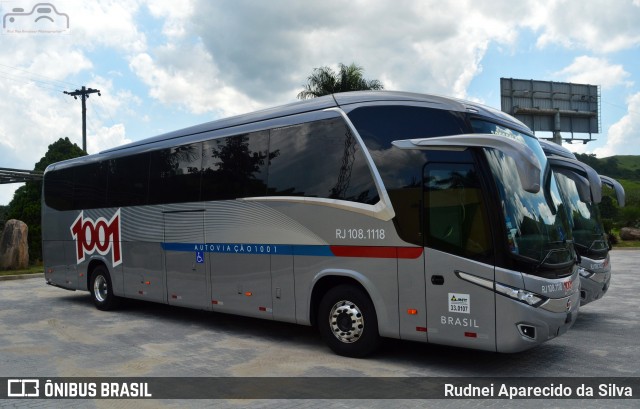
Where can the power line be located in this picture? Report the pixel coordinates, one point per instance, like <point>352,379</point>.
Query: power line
<point>105,109</point>
<point>623,108</point>
<point>66,83</point>
<point>37,83</point>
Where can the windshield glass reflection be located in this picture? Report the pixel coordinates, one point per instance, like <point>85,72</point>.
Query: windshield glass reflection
<point>588,234</point>
<point>536,224</point>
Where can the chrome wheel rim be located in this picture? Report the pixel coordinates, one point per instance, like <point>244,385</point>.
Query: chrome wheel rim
<point>346,321</point>
<point>100,288</point>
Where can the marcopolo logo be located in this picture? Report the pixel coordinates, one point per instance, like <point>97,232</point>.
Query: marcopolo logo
<point>99,235</point>
<point>43,18</point>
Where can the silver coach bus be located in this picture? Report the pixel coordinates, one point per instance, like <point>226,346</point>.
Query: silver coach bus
<point>366,214</point>
<point>580,187</point>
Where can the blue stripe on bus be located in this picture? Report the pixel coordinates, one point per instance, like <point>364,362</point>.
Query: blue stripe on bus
<point>239,248</point>
<point>298,250</point>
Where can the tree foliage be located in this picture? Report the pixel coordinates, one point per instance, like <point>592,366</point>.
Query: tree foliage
<point>26,202</point>
<point>610,166</point>
<point>3,216</point>
<point>626,170</point>
<point>325,81</point>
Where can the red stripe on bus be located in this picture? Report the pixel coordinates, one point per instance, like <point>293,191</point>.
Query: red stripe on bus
<point>376,251</point>
<point>409,252</point>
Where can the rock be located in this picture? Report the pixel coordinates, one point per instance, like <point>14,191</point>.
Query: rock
<point>14,248</point>
<point>629,233</point>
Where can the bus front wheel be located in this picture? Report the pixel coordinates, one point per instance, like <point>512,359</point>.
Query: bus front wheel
<point>347,321</point>
<point>102,290</point>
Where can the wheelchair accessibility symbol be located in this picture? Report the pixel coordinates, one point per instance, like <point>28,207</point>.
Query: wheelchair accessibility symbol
<point>199,257</point>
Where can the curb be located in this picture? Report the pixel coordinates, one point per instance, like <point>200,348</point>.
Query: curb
<point>21,276</point>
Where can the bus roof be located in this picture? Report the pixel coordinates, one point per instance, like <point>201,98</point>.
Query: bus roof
<point>344,100</point>
<point>551,148</point>
<point>329,101</point>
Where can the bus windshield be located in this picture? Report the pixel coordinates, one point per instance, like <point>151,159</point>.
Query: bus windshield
<point>536,225</point>
<point>584,217</point>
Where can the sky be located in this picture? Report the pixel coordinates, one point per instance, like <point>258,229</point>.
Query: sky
<point>165,65</point>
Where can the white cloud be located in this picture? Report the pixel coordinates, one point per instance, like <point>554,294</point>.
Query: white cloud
<point>175,14</point>
<point>188,78</point>
<point>106,137</point>
<point>592,70</point>
<point>31,120</point>
<point>6,192</point>
<point>601,26</point>
<point>223,58</point>
<point>622,137</point>
<point>109,23</point>
<point>266,48</point>
<point>254,54</point>
<point>112,101</point>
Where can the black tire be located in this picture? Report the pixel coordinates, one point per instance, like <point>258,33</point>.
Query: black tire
<point>102,290</point>
<point>347,321</point>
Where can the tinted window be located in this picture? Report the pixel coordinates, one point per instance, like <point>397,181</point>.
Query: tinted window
<point>90,186</point>
<point>380,125</point>
<point>401,170</point>
<point>319,159</point>
<point>128,180</point>
<point>235,166</point>
<point>455,216</point>
<point>58,189</point>
<point>174,174</point>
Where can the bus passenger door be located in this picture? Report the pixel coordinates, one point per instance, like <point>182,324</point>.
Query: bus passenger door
<point>458,243</point>
<point>185,259</point>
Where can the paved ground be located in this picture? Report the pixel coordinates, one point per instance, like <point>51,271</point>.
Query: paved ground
<point>50,332</point>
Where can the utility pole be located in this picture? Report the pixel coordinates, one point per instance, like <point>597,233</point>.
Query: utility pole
<point>84,94</point>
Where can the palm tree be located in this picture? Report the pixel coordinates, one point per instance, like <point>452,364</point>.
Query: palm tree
<point>325,81</point>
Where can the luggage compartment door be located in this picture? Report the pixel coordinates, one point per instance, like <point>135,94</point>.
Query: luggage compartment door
<point>186,260</point>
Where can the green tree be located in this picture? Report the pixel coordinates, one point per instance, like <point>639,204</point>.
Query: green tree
<point>26,202</point>
<point>608,208</point>
<point>325,81</point>
<point>590,159</point>
<point>630,216</point>
<point>3,216</point>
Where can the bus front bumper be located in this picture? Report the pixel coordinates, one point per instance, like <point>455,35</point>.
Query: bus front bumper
<point>520,326</point>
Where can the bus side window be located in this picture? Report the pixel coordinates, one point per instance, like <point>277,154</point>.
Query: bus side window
<point>174,174</point>
<point>90,186</point>
<point>58,188</point>
<point>235,166</point>
<point>128,180</point>
<point>319,159</point>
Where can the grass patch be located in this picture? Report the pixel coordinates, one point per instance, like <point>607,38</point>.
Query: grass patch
<point>30,270</point>
<point>627,244</point>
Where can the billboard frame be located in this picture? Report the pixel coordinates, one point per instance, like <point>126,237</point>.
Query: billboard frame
<point>549,106</point>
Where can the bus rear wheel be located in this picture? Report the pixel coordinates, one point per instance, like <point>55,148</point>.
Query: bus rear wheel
<point>347,321</point>
<point>102,290</point>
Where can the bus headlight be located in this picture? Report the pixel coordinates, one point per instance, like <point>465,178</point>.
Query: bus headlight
<point>527,297</point>
<point>524,296</point>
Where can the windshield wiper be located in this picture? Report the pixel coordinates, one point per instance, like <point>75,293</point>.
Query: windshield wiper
<point>556,266</point>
